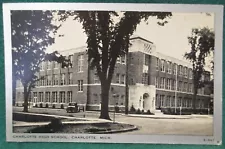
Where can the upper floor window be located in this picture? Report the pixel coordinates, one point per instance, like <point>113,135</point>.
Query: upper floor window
<point>96,78</point>
<point>123,78</point>
<point>185,72</point>
<point>175,69</point>
<point>71,60</point>
<point>48,65</point>
<point>42,66</point>
<point>157,82</point>
<point>180,70</point>
<point>55,79</point>
<point>163,65</point>
<point>55,65</point>
<point>190,74</point>
<point>157,63</point>
<point>80,85</point>
<point>169,67</point>
<point>123,59</point>
<point>146,59</point>
<point>63,81</point>
<point>144,78</point>
<point>70,81</point>
<point>80,63</point>
<point>117,78</point>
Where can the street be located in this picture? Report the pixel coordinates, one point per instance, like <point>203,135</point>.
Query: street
<point>196,125</point>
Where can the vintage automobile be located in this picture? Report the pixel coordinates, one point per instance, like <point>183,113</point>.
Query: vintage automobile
<point>72,107</point>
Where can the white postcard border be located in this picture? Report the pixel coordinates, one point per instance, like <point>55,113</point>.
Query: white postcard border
<point>113,138</point>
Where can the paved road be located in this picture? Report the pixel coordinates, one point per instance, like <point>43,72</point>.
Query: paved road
<point>197,125</point>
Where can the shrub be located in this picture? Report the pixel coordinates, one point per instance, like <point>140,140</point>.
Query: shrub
<point>53,106</point>
<point>41,105</point>
<point>35,105</point>
<point>46,106</point>
<point>17,104</point>
<point>62,106</point>
<point>148,112</point>
<point>117,109</point>
<point>138,111</point>
<point>143,111</point>
<point>132,109</point>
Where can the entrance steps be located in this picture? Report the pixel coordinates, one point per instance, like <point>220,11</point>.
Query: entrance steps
<point>158,112</point>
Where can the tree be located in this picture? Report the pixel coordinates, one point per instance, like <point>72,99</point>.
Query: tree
<point>106,40</point>
<point>32,32</point>
<point>202,44</point>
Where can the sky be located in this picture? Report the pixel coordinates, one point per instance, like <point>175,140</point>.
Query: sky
<point>170,39</point>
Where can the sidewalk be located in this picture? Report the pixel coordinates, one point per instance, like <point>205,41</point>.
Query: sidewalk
<point>160,116</point>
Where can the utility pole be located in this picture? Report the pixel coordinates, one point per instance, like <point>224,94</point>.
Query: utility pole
<point>127,78</point>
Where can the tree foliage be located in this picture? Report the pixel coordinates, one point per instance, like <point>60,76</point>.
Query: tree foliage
<point>107,40</point>
<point>32,32</point>
<point>202,45</point>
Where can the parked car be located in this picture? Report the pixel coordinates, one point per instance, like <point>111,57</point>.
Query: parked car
<point>72,107</point>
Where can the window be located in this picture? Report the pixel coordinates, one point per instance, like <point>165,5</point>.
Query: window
<point>162,102</point>
<point>55,79</point>
<point>48,65</point>
<point>80,85</point>
<point>122,99</point>
<point>69,96</point>
<point>180,86</point>
<point>169,68</point>
<point>34,97</point>
<point>54,97</point>
<point>190,74</point>
<point>63,81</point>
<point>179,102</point>
<point>180,70</point>
<point>162,82</point>
<point>145,78</point>
<point>47,97</point>
<point>185,72</point>
<point>80,63</point>
<point>157,82</point>
<point>163,65</point>
<point>70,81</point>
<point>71,60</point>
<point>62,97</point>
<point>41,97</point>
<point>118,60</point>
<point>167,83</point>
<point>146,59</point>
<point>157,64</point>
<point>42,66</point>
<point>42,81</point>
<point>117,78</point>
<point>167,103</point>
<point>185,87</point>
<point>49,80</point>
<point>173,101</point>
<point>123,79</point>
<point>175,69</point>
<point>55,65</point>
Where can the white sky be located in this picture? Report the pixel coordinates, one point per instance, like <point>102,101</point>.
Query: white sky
<point>170,39</point>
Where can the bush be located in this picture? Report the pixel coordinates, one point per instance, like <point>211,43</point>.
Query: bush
<point>35,105</point>
<point>142,111</point>
<point>62,106</point>
<point>53,106</point>
<point>117,109</point>
<point>132,109</point>
<point>46,106</point>
<point>17,104</point>
<point>138,111</point>
<point>41,105</point>
<point>148,112</point>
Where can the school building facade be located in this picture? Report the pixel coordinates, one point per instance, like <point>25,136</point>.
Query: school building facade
<point>156,81</point>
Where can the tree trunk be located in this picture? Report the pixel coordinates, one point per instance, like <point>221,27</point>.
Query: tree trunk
<point>26,95</point>
<point>105,101</point>
<point>194,99</point>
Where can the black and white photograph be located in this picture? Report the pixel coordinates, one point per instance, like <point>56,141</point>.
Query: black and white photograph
<point>113,73</point>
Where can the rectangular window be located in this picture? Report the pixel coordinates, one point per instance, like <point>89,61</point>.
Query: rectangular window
<point>162,82</point>
<point>42,66</point>
<point>80,63</point>
<point>69,96</point>
<point>180,70</point>
<point>173,102</point>
<point>190,74</point>
<point>146,59</point>
<point>55,79</point>
<point>41,97</point>
<point>175,69</point>
<point>49,80</point>
<point>157,64</point>
<point>185,72</point>
<point>80,85</point>
<point>157,82</point>
<point>62,97</point>
<point>48,65</point>
<point>185,87</point>
<point>117,78</point>
<point>70,78</point>
<point>123,79</point>
<point>71,60</point>
<point>163,65</point>
<point>55,65</point>
<point>47,96</point>
<point>62,79</point>
<point>145,78</point>
<point>169,70</point>
<point>167,83</point>
<point>54,97</point>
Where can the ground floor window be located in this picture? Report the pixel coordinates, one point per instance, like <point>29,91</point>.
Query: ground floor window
<point>54,97</point>
<point>47,97</point>
<point>41,97</point>
<point>69,96</point>
<point>62,97</point>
